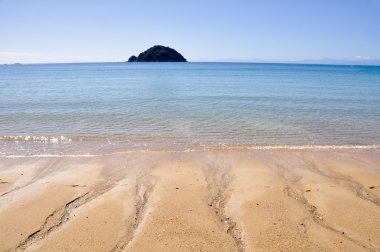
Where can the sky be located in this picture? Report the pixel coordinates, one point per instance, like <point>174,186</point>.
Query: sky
<point>44,31</point>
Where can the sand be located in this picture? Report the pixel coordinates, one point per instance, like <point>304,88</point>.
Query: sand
<point>258,200</point>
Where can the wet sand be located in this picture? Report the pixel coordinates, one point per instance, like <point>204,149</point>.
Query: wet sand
<point>261,200</point>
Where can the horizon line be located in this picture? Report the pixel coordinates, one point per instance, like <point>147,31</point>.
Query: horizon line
<point>306,62</point>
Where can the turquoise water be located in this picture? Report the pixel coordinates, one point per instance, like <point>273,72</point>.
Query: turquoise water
<point>189,104</point>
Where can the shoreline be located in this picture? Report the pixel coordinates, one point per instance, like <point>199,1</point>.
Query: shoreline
<point>30,148</point>
<point>209,200</point>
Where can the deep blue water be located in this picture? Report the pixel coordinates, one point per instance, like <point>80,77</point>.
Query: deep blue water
<point>207,103</point>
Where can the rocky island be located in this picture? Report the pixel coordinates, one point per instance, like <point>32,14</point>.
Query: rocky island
<point>158,53</point>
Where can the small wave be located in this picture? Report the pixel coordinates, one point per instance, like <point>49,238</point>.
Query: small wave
<point>41,139</point>
<point>314,147</point>
<point>211,148</point>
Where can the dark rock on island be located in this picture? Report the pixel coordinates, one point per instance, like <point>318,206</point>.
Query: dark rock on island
<point>158,54</point>
<point>133,58</point>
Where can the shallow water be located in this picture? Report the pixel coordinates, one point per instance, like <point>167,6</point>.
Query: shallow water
<point>55,106</point>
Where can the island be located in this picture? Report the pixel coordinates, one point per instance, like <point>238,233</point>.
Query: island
<point>158,53</point>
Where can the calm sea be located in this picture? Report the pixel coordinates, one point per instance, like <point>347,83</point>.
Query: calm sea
<point>53,107</point>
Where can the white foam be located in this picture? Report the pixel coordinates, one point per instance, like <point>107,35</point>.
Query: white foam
<point>41,139</point>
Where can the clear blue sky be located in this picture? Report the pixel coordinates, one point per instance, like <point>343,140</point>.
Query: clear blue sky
<point>202,30</point>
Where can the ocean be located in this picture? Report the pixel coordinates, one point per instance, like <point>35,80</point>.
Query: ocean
<point>61,108</point>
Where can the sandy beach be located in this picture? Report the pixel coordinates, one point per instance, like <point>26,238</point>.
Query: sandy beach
<point>189,126</point>
<point>262,200</point>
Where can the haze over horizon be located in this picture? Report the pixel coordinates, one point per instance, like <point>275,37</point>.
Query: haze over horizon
<point>294,31</point>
